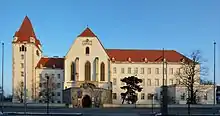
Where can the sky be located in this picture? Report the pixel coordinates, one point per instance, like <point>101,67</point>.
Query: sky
<point>184,26</point>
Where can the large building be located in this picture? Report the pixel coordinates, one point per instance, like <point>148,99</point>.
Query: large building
<point>86,61</point>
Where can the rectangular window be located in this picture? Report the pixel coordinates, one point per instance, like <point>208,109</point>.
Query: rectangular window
<point>22,56</point>
<point>177,81</point>
<point>142,70</point>
<point>171,81</point>
<point>150,96</point>
<point>156,82</point>
<point>122,70</point>
<point>142,96</point>
<point>22,65</point>
<point>157,71</point>
<point>22,73</point>
<point>40,76</point>
<point>136,70</point>
<point>52,76</point>
<point>58,76</point>
<point>58,93</point>
<point>40,84</point>
<point>114,70</point>
<point>114,95</point>
<point>165,70</point>
<point>143,82</point>
<point>171,71</point>
<point>178,70</point>
<point>58,85</point>
<point>148,70</point>
<point>114,81</point>
<point>129,70</point>
<point>148,82</point>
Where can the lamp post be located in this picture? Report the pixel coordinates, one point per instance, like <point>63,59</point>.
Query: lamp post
<point>2,77</point>
<point>47,94</point>
<point>25,83</point>
<point>214,92</point>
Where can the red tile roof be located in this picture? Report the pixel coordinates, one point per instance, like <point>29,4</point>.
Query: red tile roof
<point>87,33</point>
<point>141,55</point>
<point>51,63</point>
<point>25,32</point>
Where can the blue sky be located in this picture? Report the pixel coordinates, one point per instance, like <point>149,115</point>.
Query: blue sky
<point>173,24</point>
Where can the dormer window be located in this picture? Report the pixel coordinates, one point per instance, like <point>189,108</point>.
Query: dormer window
<point>145,60</point>
<point>32,39</point>
<point>54,66</point>
<point>87,51</point>
<point>182,60</point>
<point>113,59</point>
<point>129,59</point>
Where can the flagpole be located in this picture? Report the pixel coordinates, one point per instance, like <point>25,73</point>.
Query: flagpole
<point>214,92</point>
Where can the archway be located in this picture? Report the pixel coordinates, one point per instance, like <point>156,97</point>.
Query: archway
<point>86,102</point>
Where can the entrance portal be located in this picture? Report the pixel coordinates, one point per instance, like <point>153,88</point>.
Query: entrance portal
<point>86,102</point>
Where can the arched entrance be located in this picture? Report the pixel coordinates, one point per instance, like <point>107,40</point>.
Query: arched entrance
<point>86,102</point>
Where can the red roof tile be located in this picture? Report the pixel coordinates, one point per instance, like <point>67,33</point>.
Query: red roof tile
<point>25,32</point>
<point>87,33</point>
<point>51,62</point>
<point>140,55</point>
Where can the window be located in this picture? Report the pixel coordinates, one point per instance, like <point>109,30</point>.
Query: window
<point>148,70</point>
<point>142,95</point>
<point>178,70</point>
<point>58,85</point>
<point>148,82</point>
<point>177,81</point>
<point>53,94</point>
<point>165,70</point>
<point>142,70</point>
<point>150,96</point>
<point>23,48</point>
<point>87,71</point>
<point>22,73</point>
<point>37,52</point>
<point>102,72</point>
<point>122,83</point>
<point>58,93</point>
<point>114,81</point>
<point>156,82</point>
<point>46,75</point>
<point>22,56</point>
<point>143,82</point>
<point>157,71</point>
<point>40,84</point>
<point>58,76</point>
<point>72,72</point>
<point>129,70</point>
<point>171,71</point>
<point>114,95</point>
<point>136,70</point>
<point>171,81</point>
<point>40,76</point>
<point>52,76</point>
<point>114,70</point>
<point>22,65</point>
<point>58,102</point>
<point>122,70</point>
<point>205,96</point>
<point>183,96</point>
<point>87,50</point>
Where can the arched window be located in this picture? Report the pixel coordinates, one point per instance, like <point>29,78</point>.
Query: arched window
<point>77,69</point>
<point>37,52</point>
<point>72,72</point>
<point>87,50</point>
<point>23,48</point>
<point>87,71</point>
<point>102,72</point>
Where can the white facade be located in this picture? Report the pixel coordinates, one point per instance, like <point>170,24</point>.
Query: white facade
<point>88,61</point>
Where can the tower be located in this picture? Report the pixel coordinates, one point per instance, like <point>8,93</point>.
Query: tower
<point>26,52</point>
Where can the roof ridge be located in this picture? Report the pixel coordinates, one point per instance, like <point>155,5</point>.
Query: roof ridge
<point>87,33</point>
<point>140,49</point>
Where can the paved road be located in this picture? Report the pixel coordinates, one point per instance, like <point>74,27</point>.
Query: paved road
<point>113,111</point>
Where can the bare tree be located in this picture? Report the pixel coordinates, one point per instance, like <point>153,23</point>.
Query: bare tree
<point>46,91</point>
<point>19,92</point>
<point>190,73</point>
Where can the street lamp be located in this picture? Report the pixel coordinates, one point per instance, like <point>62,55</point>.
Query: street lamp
<point>2,99</point>
<point>47,94</point>
<point>214,92</point>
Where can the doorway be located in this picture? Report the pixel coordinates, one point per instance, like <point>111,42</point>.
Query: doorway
<point>86,102</point>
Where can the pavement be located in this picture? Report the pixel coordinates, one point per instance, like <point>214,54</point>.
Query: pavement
<point>112,111</point>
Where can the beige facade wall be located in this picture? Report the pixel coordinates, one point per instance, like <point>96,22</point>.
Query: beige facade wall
<point>17,70</point>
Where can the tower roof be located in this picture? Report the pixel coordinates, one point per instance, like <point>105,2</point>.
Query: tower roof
<point>26,31</point>
<point>87,33</point>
